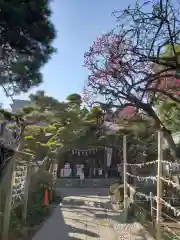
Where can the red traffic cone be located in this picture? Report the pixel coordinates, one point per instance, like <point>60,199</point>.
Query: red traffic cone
<point>46,198</point>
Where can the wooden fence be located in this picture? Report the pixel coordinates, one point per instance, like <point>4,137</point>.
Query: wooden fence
<point>22,176</point>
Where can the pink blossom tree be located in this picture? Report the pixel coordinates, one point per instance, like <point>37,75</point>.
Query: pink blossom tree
<point>127,66</point>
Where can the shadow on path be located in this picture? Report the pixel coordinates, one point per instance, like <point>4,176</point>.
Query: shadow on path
<point>84,231</point>
<point>77,219</point>
<point>55,228</point>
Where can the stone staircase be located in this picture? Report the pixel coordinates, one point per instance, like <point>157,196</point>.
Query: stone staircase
<point>88,183</point>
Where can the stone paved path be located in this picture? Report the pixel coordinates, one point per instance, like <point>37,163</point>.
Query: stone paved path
<point>88,217</point>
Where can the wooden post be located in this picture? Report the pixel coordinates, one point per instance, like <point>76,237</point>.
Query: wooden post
<point>54,168</point>
<point>104,163</point>
<point>151,206</point>
<point>26,192</point>
<point>125,177</point>
<point>159,186</point>
<point>52,186</point>
<point>8,202</point>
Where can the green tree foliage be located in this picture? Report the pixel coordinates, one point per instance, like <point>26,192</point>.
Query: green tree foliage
<point>169,50</point>
<point>26,42</point>
<point>167,109</point>
<point>169,113</point>
<point>57,125</point>
<point>74,98</point>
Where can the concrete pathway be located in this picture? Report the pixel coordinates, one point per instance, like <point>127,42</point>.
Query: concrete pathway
<point>88,217</point>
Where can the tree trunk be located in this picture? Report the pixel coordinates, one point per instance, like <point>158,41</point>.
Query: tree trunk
<point>170,143</point>
<point>166,133</point>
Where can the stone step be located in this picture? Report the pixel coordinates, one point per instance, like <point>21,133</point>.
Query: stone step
<point>87,183</point>
<point>65,192</point>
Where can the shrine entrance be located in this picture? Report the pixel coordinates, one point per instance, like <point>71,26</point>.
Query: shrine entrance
<point>98,162</point>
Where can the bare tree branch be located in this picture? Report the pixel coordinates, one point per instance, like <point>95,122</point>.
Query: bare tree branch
<point>127,65</point>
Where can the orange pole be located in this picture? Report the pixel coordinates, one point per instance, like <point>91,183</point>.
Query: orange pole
<point>46,198</point>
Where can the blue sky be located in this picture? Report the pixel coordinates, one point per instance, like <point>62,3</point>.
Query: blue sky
<point>78,23</point>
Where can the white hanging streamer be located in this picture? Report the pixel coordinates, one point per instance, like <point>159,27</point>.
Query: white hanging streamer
<point>175,210</point>
<point>146,163</point>
<point>142,164</point>
<point>169,182</point>
<point>169,206</point>
<point>85,151</point>
<point>170,230</point>
<point>140,193</point>
<point>142,178</point>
